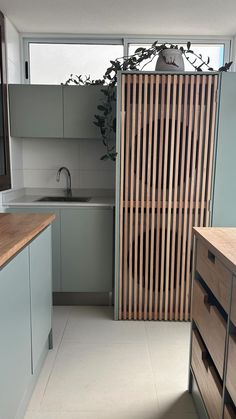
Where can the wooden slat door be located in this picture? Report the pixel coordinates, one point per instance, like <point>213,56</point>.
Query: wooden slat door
<point>166,154</point>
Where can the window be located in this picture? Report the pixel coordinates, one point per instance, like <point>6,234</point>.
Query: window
<point>5,180</point>
<point>214,51</point>
<point>53,60</point>
<point>53,63</point>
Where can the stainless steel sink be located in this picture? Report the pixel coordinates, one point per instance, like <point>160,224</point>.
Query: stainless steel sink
<point>64,199</point>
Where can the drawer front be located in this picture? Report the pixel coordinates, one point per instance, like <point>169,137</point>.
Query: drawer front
<point>207,379</point>
<point>211,325</point>
<point>215,274</point>
<point>229,412</point>
<point>231,369</point>
<point>233,308</point>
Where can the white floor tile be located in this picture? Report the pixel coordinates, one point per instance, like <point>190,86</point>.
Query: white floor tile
<point>105,369</point>
<point>96,325</point>
<point>100,375</point>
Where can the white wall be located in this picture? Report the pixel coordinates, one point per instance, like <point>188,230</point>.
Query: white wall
<point>14,76</point>
<point>43,157</point>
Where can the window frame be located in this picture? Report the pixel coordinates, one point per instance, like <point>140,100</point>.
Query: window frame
<point>5,179</point>
<point>124,40</point>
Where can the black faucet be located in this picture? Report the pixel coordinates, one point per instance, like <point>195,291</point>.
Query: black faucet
<point>68,179</point>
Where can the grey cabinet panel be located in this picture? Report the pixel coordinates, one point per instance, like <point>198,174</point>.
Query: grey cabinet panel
<point>80,105</point>
<point>15,347</point>
<point>36,111</point>
<point>40,251</point>
<point>224,214</point>
<point>56,248</point>
<point>87,250</point>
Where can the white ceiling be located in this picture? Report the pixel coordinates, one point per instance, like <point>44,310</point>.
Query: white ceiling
<point>172,17</point>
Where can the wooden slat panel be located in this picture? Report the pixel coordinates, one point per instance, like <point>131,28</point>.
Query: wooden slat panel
<point>167,144</point>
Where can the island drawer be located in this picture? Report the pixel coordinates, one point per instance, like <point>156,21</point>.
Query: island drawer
<point>231,368</point>
<point>207,317</point>
<point>233,307</point>
<point>206,376</point>
<point>214,273</point>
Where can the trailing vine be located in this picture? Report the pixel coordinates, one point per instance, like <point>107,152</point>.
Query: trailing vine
<point>105,119</point>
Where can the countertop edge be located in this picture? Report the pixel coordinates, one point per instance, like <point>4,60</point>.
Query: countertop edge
<point>219,252</point>
<point>24,240</point>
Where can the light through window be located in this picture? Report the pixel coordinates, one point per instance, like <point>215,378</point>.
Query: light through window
<point>53,63</point>
<point>214,51</point>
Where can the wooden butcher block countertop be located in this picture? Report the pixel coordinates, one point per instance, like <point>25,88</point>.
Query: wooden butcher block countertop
<point>17,230</point>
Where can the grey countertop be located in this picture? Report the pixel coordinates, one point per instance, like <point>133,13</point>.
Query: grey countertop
<point>28,197</point>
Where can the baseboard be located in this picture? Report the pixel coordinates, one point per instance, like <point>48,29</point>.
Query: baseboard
<point>82,298</point>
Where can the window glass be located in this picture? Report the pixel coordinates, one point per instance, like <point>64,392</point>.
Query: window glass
<point>54,63</point>
<point>214,51</point>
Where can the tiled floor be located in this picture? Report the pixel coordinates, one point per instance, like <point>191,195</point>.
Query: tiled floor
<point>102,369</point>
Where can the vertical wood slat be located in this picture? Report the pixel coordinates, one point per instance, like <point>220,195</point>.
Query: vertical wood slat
<point>167,134</point>
<point>148,182</point>
<point>126,188</point>
<point>132,146</point>
<point>179,264</point>
<point>122,140</point>
<point>175,192</point>
<point>191,198</point>
<point>164,192</point>
<point>159,188</point>
<point>143,197</point>
<point>137,187</point>
<point>186,198</point>
<point>154,178</point>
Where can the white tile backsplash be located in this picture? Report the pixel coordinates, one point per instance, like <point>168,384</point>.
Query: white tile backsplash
<point>43,157</point>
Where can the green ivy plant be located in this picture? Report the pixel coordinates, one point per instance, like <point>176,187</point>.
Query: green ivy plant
<point>105,118</point>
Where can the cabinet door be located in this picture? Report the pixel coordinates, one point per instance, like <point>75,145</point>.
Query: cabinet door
<point>41,292</point>
<point>36,111</point>
<point>56,246</point>
<point>15,346</point>
<point>80,105</point>
<point>87,249</point>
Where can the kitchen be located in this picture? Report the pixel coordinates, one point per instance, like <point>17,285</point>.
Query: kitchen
<point>56,168</point>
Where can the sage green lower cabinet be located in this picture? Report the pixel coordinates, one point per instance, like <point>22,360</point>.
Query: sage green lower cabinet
<point>25,323</point>
<point>41,292</point>
<point>86,249</point>
<point>56,233</point>
<point>15,345</point>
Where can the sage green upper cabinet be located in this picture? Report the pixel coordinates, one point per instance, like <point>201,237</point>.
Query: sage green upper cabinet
<point>87,249</point>
<point>36,111</point>
<point>80,105</point>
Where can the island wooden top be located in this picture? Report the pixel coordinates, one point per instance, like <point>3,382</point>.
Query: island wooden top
<point>222,240</point>
<point>17,230</point>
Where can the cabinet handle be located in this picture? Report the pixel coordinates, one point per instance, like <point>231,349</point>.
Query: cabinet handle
<point>211,257</point>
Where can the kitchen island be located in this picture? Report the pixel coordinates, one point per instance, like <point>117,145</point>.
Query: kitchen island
<point>25,306</point>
